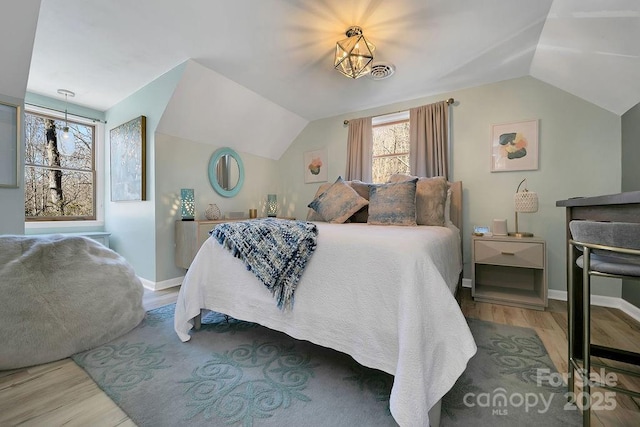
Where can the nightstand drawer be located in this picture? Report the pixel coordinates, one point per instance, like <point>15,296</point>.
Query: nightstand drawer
<point>512,253</point>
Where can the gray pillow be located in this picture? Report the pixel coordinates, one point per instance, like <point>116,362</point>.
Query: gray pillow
<point>362,188</point>
<point>431,198</point>
<point>311,214</point>
<point>393,203</point>
<point>338,203</point>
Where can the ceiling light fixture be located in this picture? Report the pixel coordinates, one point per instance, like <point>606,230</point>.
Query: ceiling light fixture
<point>354,54</point>
<point>67,141</point>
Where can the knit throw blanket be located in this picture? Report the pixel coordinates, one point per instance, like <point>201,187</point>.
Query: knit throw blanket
<point>275,250</point>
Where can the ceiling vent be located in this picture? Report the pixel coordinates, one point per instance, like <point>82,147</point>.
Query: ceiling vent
<point>382,70</point>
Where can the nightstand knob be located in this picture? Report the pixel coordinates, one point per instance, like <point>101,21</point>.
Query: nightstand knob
<point>507,253</point>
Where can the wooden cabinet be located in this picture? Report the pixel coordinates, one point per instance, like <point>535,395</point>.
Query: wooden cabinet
<point>510,270</point>
<point>190,235</point>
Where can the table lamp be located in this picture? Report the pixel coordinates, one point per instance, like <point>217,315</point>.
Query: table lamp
<point>187,204</point>
<point>272,205</point>
<point>524,201</point>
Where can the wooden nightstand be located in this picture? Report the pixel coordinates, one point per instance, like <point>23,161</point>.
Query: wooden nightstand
<point>190,235</point>
<point>510,270</point>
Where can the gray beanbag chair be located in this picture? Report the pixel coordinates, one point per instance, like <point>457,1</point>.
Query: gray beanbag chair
<point>60,295</point>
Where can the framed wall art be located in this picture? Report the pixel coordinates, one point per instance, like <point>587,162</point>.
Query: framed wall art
<point>9,144</point>
<point>128,160</point>
<point>315,166</point>
<point>514,146</point>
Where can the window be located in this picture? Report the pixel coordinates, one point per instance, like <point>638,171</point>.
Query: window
<point>390,146</point>
<point>59,181</point>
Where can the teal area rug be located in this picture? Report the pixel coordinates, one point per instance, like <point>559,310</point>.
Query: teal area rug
<point>235,373</point>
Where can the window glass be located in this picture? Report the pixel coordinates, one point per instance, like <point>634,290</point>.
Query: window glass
<point>390,150</point>
<point>59,178</point>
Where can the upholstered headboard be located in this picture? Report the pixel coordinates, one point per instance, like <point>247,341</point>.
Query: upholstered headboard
<point>456,204</point>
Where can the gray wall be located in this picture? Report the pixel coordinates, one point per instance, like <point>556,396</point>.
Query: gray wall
<point>12,199</point>
<point>631,149</point>
<point>184,164</point>
<point>579,156</point>
<point>133,224</point>
<point>631,179</point>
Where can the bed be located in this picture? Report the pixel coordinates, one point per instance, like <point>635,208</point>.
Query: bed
<point>387,300</point>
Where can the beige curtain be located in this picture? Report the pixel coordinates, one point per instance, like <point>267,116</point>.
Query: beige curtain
<point>359,150</point>
<point>429,140</point>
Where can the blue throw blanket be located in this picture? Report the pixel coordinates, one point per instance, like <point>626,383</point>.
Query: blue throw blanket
<point>275,250</point>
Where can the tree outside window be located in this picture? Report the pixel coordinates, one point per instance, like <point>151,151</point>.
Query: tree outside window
<point>59,180</point>
<point>390,150</point>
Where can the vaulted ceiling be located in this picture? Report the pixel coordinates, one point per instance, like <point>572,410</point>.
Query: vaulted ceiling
<point>283,49</point>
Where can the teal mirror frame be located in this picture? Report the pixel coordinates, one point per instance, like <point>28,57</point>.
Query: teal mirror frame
<point>212,172</point>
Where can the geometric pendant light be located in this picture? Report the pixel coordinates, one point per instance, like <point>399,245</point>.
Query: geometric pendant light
<point>354,55</point>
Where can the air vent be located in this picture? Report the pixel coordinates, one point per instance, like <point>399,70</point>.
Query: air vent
<point>382,70</point>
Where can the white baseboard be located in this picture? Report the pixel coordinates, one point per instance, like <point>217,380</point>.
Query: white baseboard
<point>602,301</point>
<point>612,302</point>
<point>165,284</point>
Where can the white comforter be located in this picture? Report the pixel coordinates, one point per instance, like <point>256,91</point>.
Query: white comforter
<point>381,294</point>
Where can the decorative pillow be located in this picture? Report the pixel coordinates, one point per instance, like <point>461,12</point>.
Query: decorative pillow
<point>431,197</point>
<point>338,203</point>
<point>362,188</point>
<point>313,215</point>
<point>393,203</point>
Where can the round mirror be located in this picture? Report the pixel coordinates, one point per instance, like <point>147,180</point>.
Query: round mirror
<point>226,172</point>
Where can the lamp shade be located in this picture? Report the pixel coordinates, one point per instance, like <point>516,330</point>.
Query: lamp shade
<point>354,54</point>
<point>526,201</point>
<point>187,204</point>
<point>272,205</point>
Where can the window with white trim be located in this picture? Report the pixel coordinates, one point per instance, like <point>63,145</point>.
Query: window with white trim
<point>390,146</point>
<point>60,179</point>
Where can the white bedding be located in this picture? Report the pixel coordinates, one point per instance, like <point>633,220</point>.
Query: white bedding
<point>382,294</point>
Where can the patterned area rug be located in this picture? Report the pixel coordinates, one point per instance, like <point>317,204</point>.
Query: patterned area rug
<point>235,373</point>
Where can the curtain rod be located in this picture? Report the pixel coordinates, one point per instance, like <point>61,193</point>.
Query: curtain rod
<point>68,113</point>
<point>449,101</point>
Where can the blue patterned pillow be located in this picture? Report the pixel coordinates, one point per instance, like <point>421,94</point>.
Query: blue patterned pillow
<point>431,198</point>
<point>393,203</point>
<point>311,214</point>
<point>338,203</point>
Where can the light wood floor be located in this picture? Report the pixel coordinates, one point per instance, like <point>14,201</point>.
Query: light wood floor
<point>610,327</point>
<point>61,393</point>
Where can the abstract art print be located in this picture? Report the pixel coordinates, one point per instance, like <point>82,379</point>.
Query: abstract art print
<point>315,166</point>
<point>128,155</point>
<point>514,146</point>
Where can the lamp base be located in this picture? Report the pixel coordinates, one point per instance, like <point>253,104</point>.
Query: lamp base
<point>520,234</point>
<point>188,219</point>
